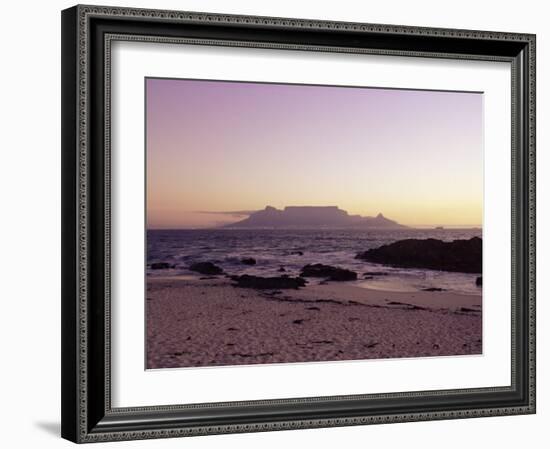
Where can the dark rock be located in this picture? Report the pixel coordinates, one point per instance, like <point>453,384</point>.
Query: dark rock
<point>205,268</point>
<point>326,271</point>
<point>297,253</point>
<point>248,261</point>
<point>161,266</point>
<point>459,255</point>
<point>269,283</point>
<point>433,289</point>
<point>375,273</point>
<point>479,281</point>
<point>281,269</point>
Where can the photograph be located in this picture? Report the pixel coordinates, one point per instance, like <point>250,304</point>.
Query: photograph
<point>300,223</point>
<point>279,222</point>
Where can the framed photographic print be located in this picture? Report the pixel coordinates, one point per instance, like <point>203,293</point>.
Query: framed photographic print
<point>275,224</point>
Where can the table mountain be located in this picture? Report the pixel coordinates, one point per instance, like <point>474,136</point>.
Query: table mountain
<point>311,216</point>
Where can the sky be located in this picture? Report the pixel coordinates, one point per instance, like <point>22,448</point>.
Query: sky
<point>214,147</point>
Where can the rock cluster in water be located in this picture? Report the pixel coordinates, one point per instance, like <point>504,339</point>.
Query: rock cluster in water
<point>161,266</point>
<point>205,268</point>
<point>463,256</point>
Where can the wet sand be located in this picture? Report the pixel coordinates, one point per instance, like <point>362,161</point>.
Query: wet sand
<point>192,322</point>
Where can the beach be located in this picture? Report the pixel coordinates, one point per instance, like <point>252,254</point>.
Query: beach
<point>194,322</point>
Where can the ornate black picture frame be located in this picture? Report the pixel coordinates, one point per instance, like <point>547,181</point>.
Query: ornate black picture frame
<point>87,413</point>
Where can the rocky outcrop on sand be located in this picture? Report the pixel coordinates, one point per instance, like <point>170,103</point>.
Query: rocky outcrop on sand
<point>205,268</point>
<point>463,256</point>
<point>248,261</point>
<point>268,283</point>
<point>319,270</point>
<point>479,281</point>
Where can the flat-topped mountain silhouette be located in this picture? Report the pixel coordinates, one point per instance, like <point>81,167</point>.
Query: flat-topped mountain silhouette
<point>311,217</point>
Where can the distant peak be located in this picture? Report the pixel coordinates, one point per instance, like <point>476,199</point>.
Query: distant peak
<point>311,216</point>
<point>311,207</point>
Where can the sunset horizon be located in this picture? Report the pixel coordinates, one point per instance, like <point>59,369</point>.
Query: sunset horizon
<point>220,218</point>
<point>413,155</point>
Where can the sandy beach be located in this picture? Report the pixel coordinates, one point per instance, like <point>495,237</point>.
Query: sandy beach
<point>209,322</point>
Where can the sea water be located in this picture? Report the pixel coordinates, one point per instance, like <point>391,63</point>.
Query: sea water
<point>292,249</point>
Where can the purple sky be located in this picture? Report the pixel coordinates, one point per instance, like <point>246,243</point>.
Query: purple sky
<point>415,156</point>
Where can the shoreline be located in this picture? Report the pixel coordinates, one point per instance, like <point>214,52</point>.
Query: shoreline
<point>209,322</point>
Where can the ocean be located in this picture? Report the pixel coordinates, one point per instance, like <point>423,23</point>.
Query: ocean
<point>292,249</point>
